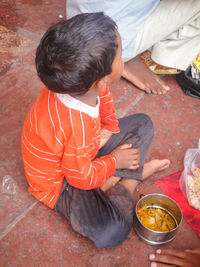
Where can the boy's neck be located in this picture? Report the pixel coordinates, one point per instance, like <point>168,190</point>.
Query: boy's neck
<point>89,98</point>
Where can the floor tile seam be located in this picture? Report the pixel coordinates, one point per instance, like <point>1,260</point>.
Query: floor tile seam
<point>133,104</point>
<point>21,57</point>
<point>22,63</point>
<point>35,37</point>
<point>17,220</point>
<point>21,50</point>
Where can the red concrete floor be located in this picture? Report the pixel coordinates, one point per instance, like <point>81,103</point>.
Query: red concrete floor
<point>32,234</point>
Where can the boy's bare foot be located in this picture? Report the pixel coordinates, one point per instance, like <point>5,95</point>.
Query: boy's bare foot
<point>153,166</point>
<point>112,181</point>
<point>138,74</point>
<point>150,168</point>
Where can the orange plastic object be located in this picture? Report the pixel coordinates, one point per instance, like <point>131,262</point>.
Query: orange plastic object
<point>154,67</point>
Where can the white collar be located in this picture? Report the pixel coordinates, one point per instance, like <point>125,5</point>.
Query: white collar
<point>74,103</point>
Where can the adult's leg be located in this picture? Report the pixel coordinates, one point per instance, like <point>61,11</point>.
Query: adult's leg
<point>179,48</point>
<point>169,21</point>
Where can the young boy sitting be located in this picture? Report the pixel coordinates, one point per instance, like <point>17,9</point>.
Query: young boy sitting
<point>78,158</point>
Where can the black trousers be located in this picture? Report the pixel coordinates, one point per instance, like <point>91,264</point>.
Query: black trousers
<point>106,217</point>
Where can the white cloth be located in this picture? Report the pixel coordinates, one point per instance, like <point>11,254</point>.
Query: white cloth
<point>172,32</point>
<point>129,16</point>
<point>170,28</point>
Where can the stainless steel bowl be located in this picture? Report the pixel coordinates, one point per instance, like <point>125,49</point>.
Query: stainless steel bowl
<point>157,201</point>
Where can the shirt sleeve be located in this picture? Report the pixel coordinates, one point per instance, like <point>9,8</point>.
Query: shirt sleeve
<point>108,116</point>
<point>81,171</point>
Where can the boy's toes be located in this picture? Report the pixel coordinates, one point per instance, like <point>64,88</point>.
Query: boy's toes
<point>164,163</point>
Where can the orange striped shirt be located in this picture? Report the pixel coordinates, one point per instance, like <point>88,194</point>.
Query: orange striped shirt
<point>61,140</point>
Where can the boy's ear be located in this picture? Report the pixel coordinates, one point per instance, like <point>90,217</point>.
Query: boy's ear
<point>102,83</point>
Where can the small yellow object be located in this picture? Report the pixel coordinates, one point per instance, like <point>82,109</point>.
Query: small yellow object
<point>154,67</point>
<point>196,62</point>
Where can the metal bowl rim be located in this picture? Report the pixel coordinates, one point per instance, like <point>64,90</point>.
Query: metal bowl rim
<point>154,243</point>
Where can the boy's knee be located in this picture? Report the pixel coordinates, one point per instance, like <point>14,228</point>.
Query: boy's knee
<point>147,124</point>
<point>146,119</point>
<point>112,235</point>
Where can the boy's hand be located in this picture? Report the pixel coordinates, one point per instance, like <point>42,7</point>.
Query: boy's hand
<point>126,157</point>
<point>105,135</point>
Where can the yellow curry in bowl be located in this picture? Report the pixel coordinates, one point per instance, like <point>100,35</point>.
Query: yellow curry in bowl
<point>156,219</point>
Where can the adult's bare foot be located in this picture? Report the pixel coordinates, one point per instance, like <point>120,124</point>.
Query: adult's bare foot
<point>153,166</point>
<point>138,74</point>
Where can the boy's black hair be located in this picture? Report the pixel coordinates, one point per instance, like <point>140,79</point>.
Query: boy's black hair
<point>75,53</point>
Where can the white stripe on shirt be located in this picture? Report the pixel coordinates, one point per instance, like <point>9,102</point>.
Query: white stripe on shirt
<point>83,129</point>
<point>39,156</point>
<point>56,105</point>
<point>52,120</point>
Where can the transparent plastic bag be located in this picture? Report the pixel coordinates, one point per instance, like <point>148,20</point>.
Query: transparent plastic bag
<point>190,177</point>
<point>9,186</point>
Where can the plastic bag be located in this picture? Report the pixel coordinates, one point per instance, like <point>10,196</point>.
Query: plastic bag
<point>9,186</point>
<point>190,177</point>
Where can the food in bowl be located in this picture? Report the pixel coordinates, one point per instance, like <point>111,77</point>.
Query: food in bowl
<point>164,203</point>
<point>156,219</point>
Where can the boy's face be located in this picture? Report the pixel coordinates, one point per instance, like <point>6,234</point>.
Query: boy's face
<point>118,64</point>
<point>117,67</point>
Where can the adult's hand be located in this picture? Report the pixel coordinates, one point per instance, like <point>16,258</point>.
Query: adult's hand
<point>173,257</point>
